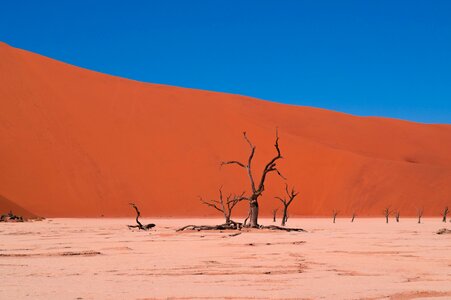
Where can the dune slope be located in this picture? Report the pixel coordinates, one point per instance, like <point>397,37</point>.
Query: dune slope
<point>7,205</point>
<point>79,143</point>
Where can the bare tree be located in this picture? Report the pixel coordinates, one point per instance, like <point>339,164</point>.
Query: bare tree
<point>419,214</point>
<point>397,214</point>
<point>286,201</point>
<point>225,206</point>
<point>258,187</point>
<point>334,214</point>
<point>445,213</point>
<point>274,214</point>
<point>353,217</point>
<point>139,226</point>
<point>387,213</point>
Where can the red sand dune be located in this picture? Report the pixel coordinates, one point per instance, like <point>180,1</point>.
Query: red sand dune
<point>79,143</point>
<point>7,206</point>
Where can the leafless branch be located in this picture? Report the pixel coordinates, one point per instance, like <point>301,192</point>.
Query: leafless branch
<point>139,226</point>
<point>286,202</point>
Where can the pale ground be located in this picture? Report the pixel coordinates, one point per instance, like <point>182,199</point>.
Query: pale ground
<point>103,259</point>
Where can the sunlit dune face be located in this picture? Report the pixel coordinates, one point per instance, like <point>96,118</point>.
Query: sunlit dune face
<point>79,143</point>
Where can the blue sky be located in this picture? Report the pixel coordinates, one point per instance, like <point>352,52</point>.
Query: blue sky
<point>377,58</point>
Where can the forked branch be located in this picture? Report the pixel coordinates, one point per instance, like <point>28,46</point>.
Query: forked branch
<point>286,201</point>
<point>225,206</point>
<point>139,226</point>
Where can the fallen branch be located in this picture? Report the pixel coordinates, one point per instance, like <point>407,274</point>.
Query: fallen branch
<point>227,226</point>
<point>443,231</point>
<point>235,226</point>
<point>273,227</point>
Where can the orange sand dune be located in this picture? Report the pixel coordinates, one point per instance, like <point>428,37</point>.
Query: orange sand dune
<point>79,143</point>
<point>6,206</point>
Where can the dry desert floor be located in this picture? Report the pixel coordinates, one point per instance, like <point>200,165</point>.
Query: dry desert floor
<point>103,259</point>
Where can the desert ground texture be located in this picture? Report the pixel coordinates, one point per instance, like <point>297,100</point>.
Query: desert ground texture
<point>103,259</point>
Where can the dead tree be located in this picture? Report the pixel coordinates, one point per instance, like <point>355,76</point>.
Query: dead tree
<point>139,226</point>
<point>225,206</point>
<point>257,187</point>
<point>397,213</point>
<point>334,214</point>
<point>353,217</point>
<point>387,213</point>
<point>445,213</point>
<point>419,214</point>
<point>286,201</point>
<point>274,214</point>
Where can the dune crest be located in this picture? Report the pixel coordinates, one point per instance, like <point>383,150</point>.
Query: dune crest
<point>78,143</point>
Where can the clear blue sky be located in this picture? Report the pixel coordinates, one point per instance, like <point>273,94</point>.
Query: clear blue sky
<point>379,58</point>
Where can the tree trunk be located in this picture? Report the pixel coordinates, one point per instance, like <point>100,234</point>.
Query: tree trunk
<point>284,217</point>
<point>253,213</point>
<point>386,219</point>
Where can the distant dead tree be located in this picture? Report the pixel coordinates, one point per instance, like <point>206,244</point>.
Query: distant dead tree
<point>139,226</point>
<point>257,188</point>
<point>397,214</point>
<point>387,213</point>
<point>445,213</point>
<point>419,214</point>
<point>225,206</point>
<point>286,201</point>
<point>274,214</point>
<point>353,217</point>
<point>334,214</point>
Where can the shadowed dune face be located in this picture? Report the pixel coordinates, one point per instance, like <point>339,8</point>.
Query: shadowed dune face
<point>7,206</point>
<point>79,143</point>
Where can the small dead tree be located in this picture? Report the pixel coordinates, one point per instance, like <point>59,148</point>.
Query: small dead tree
<point>420,214</point>
<point>397,214</point>
<point>353,217</point>
<point>334,214</point>
<point>225,206</point>
<point>274,214</point>
<point>445,214</point>
<point>286,201</point>
<point>258,187</point>
<point>139,226</point>
<point>387,213</point>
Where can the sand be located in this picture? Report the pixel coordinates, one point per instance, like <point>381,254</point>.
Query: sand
<point>103,259</point>
<point>77,143</point>
<point>6,206</point>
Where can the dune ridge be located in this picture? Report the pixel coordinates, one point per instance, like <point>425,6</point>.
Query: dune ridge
<point>78,143</point>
